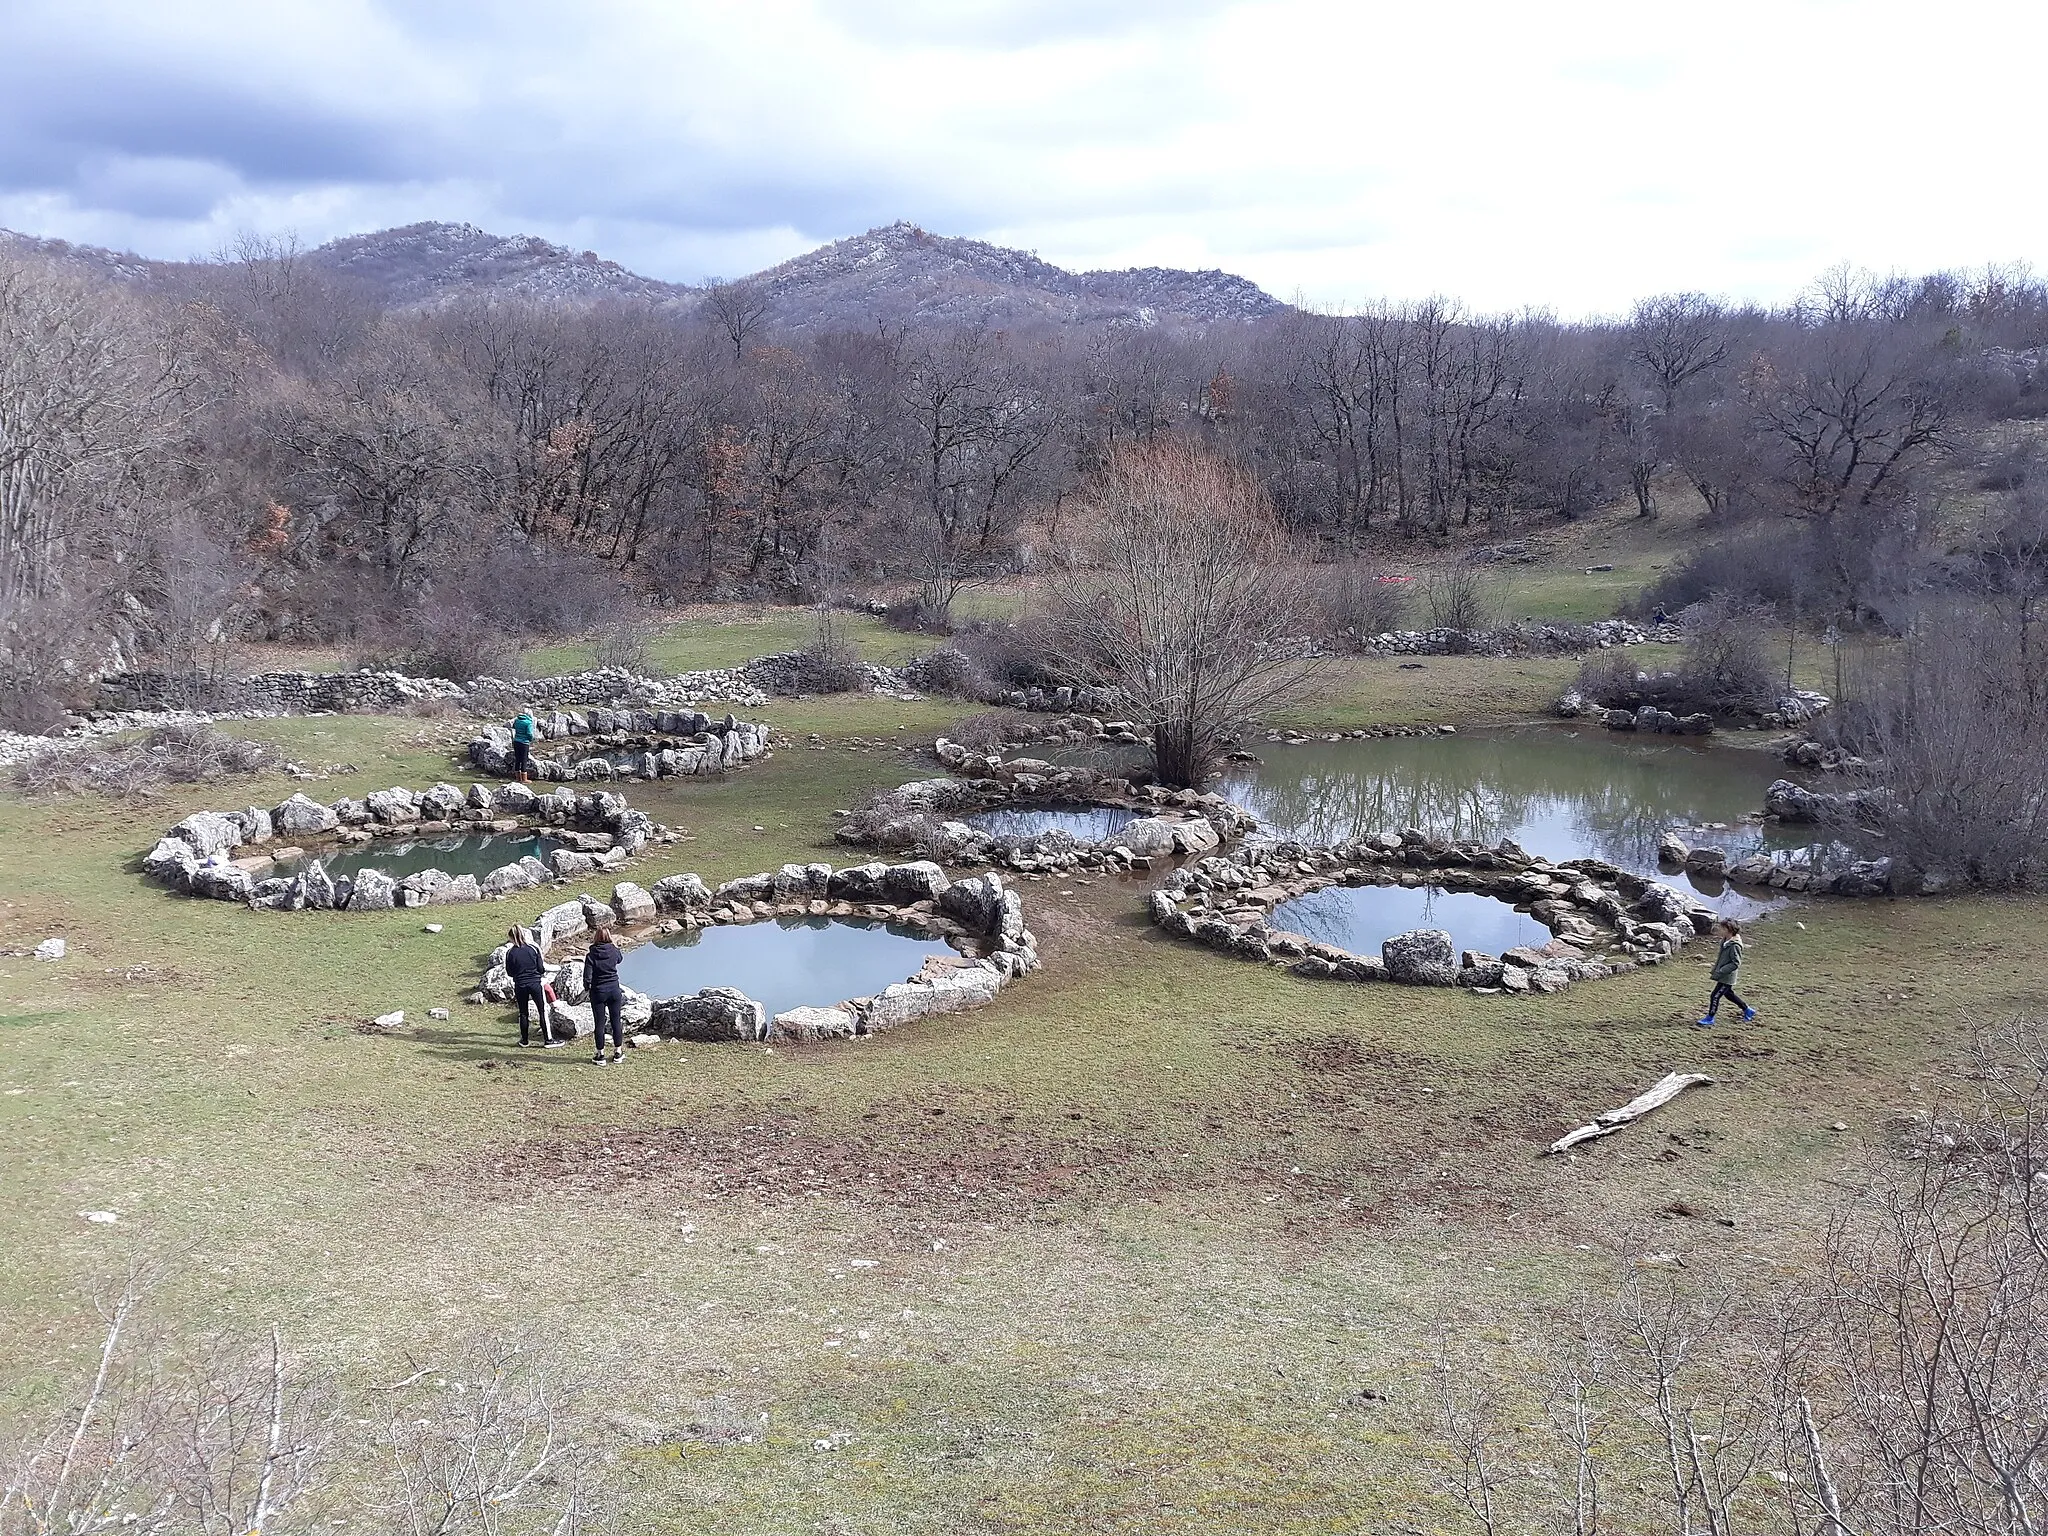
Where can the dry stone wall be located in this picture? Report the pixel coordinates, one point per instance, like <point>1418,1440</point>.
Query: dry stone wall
<point>371,692</point>
<point>923,817</point>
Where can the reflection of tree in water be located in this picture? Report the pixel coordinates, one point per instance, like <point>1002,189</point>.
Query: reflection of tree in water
<point>1359,918</point>
<point>1603,797</point>
<point>1326,916</point>
<point>1334,805</point>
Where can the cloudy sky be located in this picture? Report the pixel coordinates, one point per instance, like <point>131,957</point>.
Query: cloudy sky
<point>1573,154</point>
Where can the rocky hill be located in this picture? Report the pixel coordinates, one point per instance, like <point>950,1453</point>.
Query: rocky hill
<point>902,272</point>
<point>422,263</point>
<point>897,273</point>
<point>89,260</point>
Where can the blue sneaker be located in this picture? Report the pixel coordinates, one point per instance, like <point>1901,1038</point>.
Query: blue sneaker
<point>1706,1023</point>
<point>1749,1015</point>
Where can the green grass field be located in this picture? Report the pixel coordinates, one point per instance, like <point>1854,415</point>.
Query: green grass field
<point>1158,1241</point>
<point>1133,1241</point>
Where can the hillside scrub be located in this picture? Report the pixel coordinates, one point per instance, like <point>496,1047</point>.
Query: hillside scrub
<point>233,1432</point>
<point>1725,669</point>
<point>1952,727</point>
<point>1899,1390</point>
<point>346,461</point>
<point>141,766</point>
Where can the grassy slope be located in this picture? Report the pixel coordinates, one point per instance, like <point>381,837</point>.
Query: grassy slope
<point>721,637</point>
<point>1142,1230</point>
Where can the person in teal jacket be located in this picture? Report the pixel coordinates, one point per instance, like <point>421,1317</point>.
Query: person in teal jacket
<point>523,732</point>
<point>1727,966</point>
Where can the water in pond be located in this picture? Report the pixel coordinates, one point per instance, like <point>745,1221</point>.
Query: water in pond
<point>1084,823</point>
<point>476,853</point>
<point>1358,917</point>
<point>791,962</point>
<point>1560,791</point>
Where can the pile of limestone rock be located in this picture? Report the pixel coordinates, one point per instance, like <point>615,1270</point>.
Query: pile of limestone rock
<point>1512,640</point>
<point>1603,920</point>
<point>1793,708</point>
<point>1824,868</point>
<point>231,855</point>
<point>594,745</point>
<point>1063,700</point>
<point>979,916</point>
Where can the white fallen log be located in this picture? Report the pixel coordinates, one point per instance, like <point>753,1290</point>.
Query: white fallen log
<point>1662,1092</point>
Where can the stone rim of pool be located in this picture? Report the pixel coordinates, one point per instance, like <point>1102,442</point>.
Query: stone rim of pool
<point>929,816</point>
<point>979,910</point>
<point>1224,902</point>
<point>197,857</point>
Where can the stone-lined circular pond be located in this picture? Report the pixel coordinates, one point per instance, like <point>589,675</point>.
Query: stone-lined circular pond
<point>790,962</point>
<point>1562,792</point>
<point>476,853</point>
<point>1083,823</point>
<point>1358,918</point>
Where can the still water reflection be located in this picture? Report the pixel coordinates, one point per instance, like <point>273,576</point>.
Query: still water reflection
<point>1083,823</point>
<point>1562,792</point>
<point>791,962</point>
<point>1357,918</point>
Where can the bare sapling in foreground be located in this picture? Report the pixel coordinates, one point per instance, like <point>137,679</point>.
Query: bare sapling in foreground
<point>1901,1391</point>
<point>239,1436</point>
<point>1187,599</point>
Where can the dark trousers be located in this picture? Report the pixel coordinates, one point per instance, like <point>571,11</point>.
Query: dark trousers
<point>522,757</point>
<point>534,996</point>
<point>1721,990</point>
<point>610,1003</point>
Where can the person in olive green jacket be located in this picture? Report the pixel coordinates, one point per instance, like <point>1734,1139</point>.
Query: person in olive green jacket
<point>1727,966</point>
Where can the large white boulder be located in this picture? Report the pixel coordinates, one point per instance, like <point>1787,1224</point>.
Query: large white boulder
<point>301,817</point>
<point>632,903</point>
<point>394,807</point>
<point>171,862</point>
<point>715,1014</point>
<point>813,1024</point>
<point>372,891</point>
<point>209,832</point>
<point>1422,957</point>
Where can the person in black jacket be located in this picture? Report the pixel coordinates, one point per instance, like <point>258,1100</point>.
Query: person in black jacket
<point>523,963</point>
<point>607,998</point>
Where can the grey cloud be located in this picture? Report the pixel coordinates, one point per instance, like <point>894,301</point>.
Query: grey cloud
<point>1011,23</point>
<point>156,188</point>
<point>506,132</point>
<point>56,123</point>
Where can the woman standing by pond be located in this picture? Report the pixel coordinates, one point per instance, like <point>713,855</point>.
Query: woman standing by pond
<point>607,997</point>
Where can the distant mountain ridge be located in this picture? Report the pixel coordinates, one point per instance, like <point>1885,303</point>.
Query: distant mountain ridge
<point>898,272</point>
<point>422,263</point>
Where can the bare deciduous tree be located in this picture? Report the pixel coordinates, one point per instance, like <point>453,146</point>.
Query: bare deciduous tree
<point>737,311</point>
<point>1187,600</point>
<point>1676,338</point>
<point>92,387</point>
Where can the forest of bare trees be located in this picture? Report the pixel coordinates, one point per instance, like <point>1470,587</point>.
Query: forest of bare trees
<point>265,452</point>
